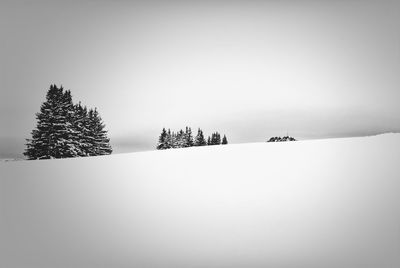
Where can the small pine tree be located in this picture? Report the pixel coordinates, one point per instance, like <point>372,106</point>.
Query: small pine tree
<point>162,140</point>
<point>189,138</point>
<point>167,140</point>
<point>209,141</point>
<point>224,140</point>
<point>199,140</point>
<point>215,138</point>
<point>174,140</point>
<point>181,139</point>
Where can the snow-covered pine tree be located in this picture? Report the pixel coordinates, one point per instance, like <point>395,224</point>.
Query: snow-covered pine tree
<point>212,139</point>
<point>224,140</point>
<point>53,136</point>
<point>81,125</point>
<point>174,140</point>
<point>168,140</point>
<point>66,130</point>
<point>180,139</point>
<point>199,139</point>
<point>162,140</point>
<point>178,142</point>
<point>188,137</point>
<point>101,143</point>
<point>217,138</point>
<point>71,135</point>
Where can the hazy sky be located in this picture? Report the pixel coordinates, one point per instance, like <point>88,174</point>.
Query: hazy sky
<point>249,69</point>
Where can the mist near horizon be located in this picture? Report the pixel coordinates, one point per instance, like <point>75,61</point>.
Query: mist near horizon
<point>249,69</point>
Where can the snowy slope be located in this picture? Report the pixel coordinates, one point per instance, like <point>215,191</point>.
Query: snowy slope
<point>321,203</point>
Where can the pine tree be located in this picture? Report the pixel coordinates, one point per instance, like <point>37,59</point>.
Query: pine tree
<point>188,137</point>
<point>199,139</point>
<point>162,140</point>
<point>174,140</point>
<point>66,130</point>
<point>217,138</point>
<point>53,137</point>
<point>81,130</point>
<point>213,139</point>
<point>209,141</point>
<point>224,140</point>
<point>168,140</point>
<point>180,139</point>
<point>101,143</point>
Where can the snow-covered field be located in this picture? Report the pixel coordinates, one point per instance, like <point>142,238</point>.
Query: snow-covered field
<point>322,203</point>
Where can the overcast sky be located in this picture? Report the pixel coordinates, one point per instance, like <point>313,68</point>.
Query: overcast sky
<point>249,69</point>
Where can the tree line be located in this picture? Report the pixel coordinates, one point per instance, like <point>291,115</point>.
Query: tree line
<point>281,139</point>
<point>65,129</point>
<point>183,139</point>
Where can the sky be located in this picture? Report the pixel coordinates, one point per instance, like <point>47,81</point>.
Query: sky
<point>248,69</point>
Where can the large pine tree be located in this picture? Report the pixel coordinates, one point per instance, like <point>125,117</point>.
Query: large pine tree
<point>100,141</point>
<point>66,130</point>
<point>53,136</point>
<point>83,138</point>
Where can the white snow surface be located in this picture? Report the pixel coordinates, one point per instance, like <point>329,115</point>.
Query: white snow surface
<point>321,203</point>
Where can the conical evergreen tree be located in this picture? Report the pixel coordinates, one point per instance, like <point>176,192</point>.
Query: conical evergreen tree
<point>199,139</point>
<point>53,137</point>
<point>224,140</point>
<point>84,138</point>
<point>180,139</point>
<point>174,139</point>
<point>209,141</point>
<point>66,130</point>
<point>101,143</point>
<point>162,140</point>
<point>188,137</point>
<point>217,138</point>
<point>168,140</point>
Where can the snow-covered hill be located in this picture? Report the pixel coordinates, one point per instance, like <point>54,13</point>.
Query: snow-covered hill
<point>321,203</point>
